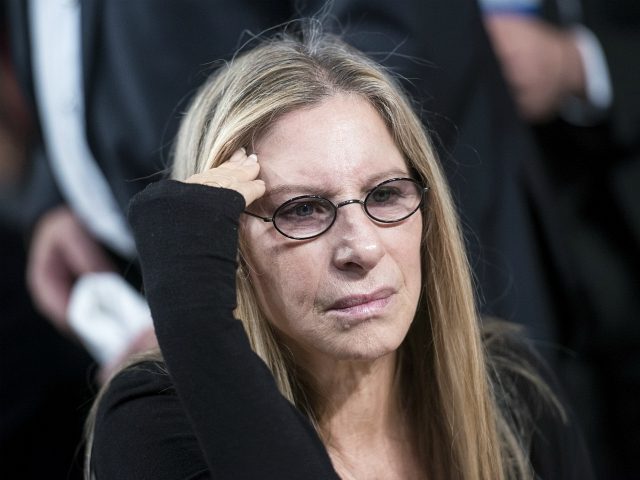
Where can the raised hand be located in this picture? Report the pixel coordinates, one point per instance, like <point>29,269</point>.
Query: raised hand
<point>541,63</point>
<point>239,173</point>
<point>61,251</point>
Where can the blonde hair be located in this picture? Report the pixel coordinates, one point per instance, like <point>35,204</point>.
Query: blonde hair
<point>445,371</point>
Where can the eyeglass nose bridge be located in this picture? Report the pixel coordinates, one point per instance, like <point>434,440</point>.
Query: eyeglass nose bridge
<point>352,201</point>
<point>348,202</point>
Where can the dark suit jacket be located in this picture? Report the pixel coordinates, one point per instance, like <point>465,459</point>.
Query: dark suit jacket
<point>595,172</point>
<point>616,24</point>
<point>143,59</point>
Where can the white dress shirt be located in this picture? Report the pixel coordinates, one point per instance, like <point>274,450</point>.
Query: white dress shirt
<point>57,72</point>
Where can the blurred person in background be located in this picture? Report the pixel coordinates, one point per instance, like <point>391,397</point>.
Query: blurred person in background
<point>43,388</point>
<point>574,69</point>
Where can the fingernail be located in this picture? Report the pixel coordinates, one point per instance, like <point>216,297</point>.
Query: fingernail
<point>252,158</point>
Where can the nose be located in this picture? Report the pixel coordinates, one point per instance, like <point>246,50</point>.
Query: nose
<point>358,246</point>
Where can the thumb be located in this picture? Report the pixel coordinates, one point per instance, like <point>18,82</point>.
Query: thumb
<point>83,253</point>
<point>251,190</point>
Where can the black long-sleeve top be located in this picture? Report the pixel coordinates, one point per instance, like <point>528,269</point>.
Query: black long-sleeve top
<point>219,413</point>
<point>212,409</point>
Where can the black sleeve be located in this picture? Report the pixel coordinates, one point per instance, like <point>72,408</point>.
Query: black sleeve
<point>524,381</point>
<point>617,28</point>
<point>186,235</point>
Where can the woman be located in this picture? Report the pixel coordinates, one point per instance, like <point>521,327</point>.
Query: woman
<point>303,160</point>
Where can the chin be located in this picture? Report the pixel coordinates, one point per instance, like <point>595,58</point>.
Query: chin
<point>361,341</point>
<point>364,344</point>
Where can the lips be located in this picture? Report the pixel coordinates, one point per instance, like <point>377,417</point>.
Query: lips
<point>378,298</point>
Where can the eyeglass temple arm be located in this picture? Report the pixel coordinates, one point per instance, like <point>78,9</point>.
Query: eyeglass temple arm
<point>264,219</point>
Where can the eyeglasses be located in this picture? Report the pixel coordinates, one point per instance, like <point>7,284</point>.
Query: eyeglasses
<point>309,216</point>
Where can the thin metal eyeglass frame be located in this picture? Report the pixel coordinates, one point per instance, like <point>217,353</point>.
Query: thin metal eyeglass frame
<point>335,206</point>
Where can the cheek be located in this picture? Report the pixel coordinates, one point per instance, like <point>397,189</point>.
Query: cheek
<point>286,282</point>
<point>409,257</point>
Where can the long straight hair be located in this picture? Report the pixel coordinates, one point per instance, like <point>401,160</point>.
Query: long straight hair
<point>460,431</point>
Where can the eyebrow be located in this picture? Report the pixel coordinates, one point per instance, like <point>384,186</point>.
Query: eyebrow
<point>298,189</point>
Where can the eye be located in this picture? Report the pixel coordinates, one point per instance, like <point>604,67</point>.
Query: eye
<point>384,194</point>
<point>304,208</point>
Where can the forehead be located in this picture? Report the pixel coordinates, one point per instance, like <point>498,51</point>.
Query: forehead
<point>342,141</point>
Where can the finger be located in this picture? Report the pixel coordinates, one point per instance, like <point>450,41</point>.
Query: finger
<point>219,180</point>
<point>48,277</point>
<point>238,162</point>
<point>52,300</point>
<point>49,282</point>
<point>227,174</point>
<point>251,190</point>
<point>238,156</point>
<point>247,169</point>
<point>54,296</point>
<point>244,166</point>
<point>253,158</point>
<point>82,253</point>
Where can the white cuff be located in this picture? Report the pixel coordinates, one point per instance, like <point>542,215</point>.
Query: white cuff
<point>107,314</point>
<point>598,83</point>
<point>598,91</point>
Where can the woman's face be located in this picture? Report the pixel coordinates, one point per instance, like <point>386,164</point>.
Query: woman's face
<point>351,293</point>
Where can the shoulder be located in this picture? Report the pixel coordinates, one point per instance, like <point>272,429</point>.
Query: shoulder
<point>531,398</point>
<point>145,376</point>
<point>141,430</point>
